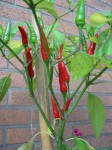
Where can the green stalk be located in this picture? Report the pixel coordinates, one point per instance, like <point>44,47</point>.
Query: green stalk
<point>12,51</point>
<point>80,36</point>
<point>52,28</point>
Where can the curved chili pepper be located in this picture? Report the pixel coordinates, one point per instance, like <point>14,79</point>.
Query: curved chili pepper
<point>92,46</point>
<point>80,14</point>
<point>6,37</point>
<point>66,107</point>
<point>33,36</point>
<point>29,60</point>
<point>60,52</point>
<point>45,51</point>
<point>54,108</point>
<point>23,36</point>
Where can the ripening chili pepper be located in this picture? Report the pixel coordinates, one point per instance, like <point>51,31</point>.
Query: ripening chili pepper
<point>23,36</point>
<point>29,60</point>
<point>45,51</point>
<point>6,37</point>
<point>80,14</point>
<point>92,46</point>
<point>60,52</point>
<point>33,36</point>
<point>54,108</point>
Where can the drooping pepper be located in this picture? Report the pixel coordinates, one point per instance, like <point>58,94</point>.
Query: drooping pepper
<point>23,36</point>
<point>33,36</point>
<point>45,51</point>
<point>92,46</point>
<point>63,71</point>
<point>66,107</point>
<point>63,86</point>
<point>80,14</point>
<point>54,108</point>
<point>29,60</point>
<point>6,37</point>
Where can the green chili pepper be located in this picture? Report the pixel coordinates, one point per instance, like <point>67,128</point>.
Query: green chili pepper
<point>80,14</point>
<point>33,36</point>
<point>6,37</point>
<point>41,22</point>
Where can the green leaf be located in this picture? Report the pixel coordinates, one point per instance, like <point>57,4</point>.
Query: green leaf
<point>4,86</point>
<point>69,1</point>
<point>14,28</point>
<point>27,146</point>
<point>102,36</point>
<point>16,46</point>
<point>81,64</point>
<point>49,7</point>
<point>108,47</point>
<point>1,30</point>
<point>82,144</point>
<point>59,36</point>
<point>96,112</point>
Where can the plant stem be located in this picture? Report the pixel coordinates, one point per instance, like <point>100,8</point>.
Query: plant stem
<point>62,129</point>
<point>68,12</point>
<point>77,100</point>
<point>80,36</point>
<point>75,92</point>
<point>12,51</point>
<point>52,28</point>
<point>98,75</point>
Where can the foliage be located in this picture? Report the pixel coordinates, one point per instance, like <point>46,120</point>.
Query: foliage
<point>75,58</point>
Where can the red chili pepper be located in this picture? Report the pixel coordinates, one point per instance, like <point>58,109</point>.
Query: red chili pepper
<point>45,51</point>
<point>63,86</point>
<point>92,46</point>
<point>60,52</point>
<point>28,60</point>
<point>23,35</point>
<point>66,107</point>
<point>63,71</point>
<point>54,108</point>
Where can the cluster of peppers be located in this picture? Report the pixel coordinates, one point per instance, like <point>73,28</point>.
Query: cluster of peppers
<point>27,51</point>
<point>64,79</point>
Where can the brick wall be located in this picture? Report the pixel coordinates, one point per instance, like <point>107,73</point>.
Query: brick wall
<point>17,111</point>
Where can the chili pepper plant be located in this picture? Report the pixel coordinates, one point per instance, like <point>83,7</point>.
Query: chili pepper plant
<point>83,57</point>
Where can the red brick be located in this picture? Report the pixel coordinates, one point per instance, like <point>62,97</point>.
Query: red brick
<point>35,116</point>
<point>14,116</point>
<point>79,115</point>
<point>14,13</point>
<point>102,88</point>
<point>8,1</point>
<point>107,100</point>
<point>108,113</point>
<point>10,148</point>
<point>98,5</point>
<point>15,61</point>
<point>61,11</point>
<point>21,135</point>
<point>17,80</point>
<point>3,62</point>
<point>21,3</point>
<point>1,137</point>
<point>102,142</point>
<point>68,131</point>
<point>21,98</point>
<point>62,3</point>
<point>107,1</point>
